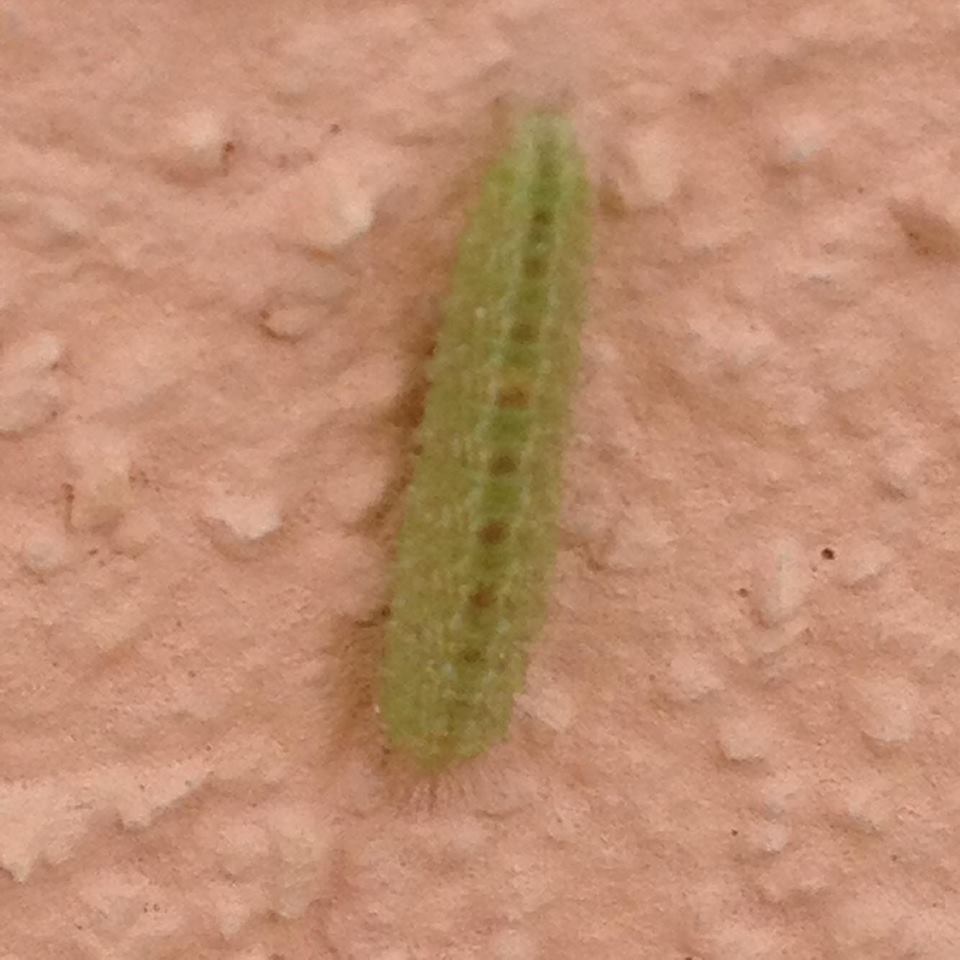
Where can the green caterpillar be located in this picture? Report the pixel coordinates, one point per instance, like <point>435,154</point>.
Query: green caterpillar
<point>476,548</point>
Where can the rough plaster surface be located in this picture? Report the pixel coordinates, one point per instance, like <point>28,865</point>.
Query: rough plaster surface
<point>224,230</point>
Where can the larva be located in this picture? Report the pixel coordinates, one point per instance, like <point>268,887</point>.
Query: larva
<point>476,547</point>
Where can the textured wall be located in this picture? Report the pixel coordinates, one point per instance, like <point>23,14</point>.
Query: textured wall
<point>224,230</point>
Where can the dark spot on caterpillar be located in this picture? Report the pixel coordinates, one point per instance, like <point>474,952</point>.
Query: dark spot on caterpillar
<point>471,656</point>
<point>502,465</point>
<point>541,218</point>
<point>534,266</point>
<point>493,533</point>
<point>523,332</point>
<point>482,599</point>
<point>827,553</point>
<point>513,398</point>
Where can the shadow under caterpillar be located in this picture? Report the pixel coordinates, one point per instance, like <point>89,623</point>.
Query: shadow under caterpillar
<point>477,544</point>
